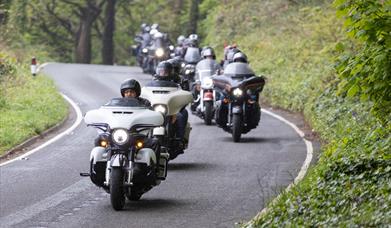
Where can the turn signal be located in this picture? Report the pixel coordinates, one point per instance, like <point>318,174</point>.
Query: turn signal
<point>103,143</point>
<point>139,144</point>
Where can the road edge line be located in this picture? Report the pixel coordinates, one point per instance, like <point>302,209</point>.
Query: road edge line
<point>300,175</point>
<point>79,118</point>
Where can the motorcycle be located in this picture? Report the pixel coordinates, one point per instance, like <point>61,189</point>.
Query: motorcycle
<point>169,99</point>
<point>191,58</point>
<point>122,162</point>
<point>157,52</point>
<point>205,103</point>
<point>239,111</point>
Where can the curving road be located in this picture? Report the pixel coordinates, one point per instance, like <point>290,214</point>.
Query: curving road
<point>216,183</point>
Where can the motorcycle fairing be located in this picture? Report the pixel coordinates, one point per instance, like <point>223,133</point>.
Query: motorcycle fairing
<point>145,155</point>
<point>173,97</point>
<point>192,55</point>
<point>123,117</point>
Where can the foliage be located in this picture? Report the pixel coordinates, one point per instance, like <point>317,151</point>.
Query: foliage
<point>294,43</point>
<point>366,70</point>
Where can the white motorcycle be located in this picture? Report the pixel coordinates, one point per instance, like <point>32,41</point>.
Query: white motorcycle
<point>169,99</point>
<point>127,159</point>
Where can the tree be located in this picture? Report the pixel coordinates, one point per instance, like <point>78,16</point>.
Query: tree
<point>193,16</point>
<point>366,72</point>
<point>107,39</point>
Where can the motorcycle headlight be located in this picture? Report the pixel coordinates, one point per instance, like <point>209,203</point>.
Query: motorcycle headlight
<point>207,82</point>
<point>159,52</point>
<point>171,47</point>
<point>145,50</point>
<point>183,65</point>
<point>238,92</point>
<point>160,108</point>
<point>120,136</point>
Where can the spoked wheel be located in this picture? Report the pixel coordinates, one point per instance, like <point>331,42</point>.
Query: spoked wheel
<point>208,113</point>
<point>117,194</point>
<point>236,128</point>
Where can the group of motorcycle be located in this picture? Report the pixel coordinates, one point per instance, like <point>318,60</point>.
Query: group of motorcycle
<point>136,142</point>
<point>152,46</point>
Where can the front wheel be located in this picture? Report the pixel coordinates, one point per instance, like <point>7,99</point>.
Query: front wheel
<point>208,113</point>
<point>236,128</point>
<point>117,194</point>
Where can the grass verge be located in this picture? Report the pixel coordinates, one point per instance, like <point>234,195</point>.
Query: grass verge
<point>28,105</point>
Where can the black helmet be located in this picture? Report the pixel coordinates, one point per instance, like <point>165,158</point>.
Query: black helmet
<point>176,65</point>
<point>164,71</point>
<point>131,84</point>
<point>240,57</point>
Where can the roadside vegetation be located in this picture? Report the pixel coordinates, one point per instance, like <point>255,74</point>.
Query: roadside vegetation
<point>340,81</point>
<point>28,105</point>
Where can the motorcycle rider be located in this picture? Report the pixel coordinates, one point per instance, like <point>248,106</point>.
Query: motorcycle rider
<point>131,88</point>
<point>206,53</point>
<point>164,75</point>
<point>235,56</point>
<point>179,49</point>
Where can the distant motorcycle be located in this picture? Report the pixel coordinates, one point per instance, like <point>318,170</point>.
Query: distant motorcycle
<point>158,51</point>
<point>191,58</point>
<point>169,99</point>
<point>121,163</point>
<point>239,110</point>
<point>205,103</point>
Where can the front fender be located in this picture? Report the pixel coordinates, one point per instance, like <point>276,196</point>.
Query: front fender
<point>118,160</point>
<point>237,109</point>
<point>98,154</point>
<point>145,155</point>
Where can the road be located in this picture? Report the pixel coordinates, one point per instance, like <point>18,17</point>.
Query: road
<point>216,183</point>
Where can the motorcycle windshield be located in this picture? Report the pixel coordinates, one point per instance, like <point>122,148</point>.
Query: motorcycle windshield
<point>161,83</point>
<point>192,55</point>
<point>205,68</point>
<point>238,71</point>
<point>124,102</point>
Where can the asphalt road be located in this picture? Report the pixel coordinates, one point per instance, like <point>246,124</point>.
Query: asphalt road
<point>216,183</point>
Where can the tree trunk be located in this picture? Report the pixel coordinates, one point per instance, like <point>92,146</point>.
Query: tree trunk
<point>193,16</point>
<point>107,40</point>
<point>83,47</point>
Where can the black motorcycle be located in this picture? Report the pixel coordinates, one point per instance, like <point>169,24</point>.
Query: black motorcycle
<point>239,111</point>
<point>158,51</point>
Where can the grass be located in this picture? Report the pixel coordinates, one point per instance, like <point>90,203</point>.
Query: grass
<point>295,46</point>
<point>28,105</point>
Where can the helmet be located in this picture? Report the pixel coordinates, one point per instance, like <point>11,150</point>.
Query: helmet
<point>153,31</point>
<point>193,40</point>
<point>164,71</point>
<point>131,84</point>
<point>193,37</point>
<point>155,26</point>
<point>208,52</point>
<point>142,27</point>
<point>176,65</point>
<point>180,39</point>
<point>230,54</point>
<point>147,29</point>
<point>240,57</point>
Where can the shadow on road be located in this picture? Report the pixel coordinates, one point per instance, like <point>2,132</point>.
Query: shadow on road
<point>151,204</point>
<point>189,166</point>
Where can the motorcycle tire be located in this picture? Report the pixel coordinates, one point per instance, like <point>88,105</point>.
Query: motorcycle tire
<point>236,128</point>
<point>117,194</point>
<point>208,113</point>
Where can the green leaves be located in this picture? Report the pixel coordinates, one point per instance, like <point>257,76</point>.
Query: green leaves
<point>367,71</point>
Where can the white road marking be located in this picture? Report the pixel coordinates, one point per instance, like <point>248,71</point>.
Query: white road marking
<point>303,169</point>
